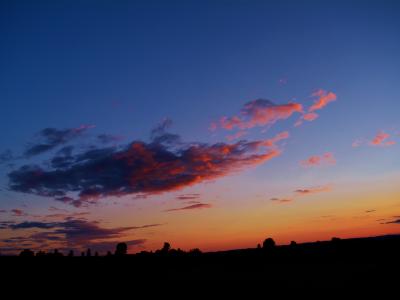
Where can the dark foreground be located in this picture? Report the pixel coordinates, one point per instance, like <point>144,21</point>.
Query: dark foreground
<point>368,263</point>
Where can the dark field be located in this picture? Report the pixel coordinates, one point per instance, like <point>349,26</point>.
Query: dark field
<point>366,263</point>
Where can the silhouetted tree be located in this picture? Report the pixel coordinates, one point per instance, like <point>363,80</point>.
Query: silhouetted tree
<point>121,249</point>
<point>88,252</point>
<point>57,253</point>
<point>258,246</point>
<point>82,253</point>
<point>166,248</point>
<point>40,253</point>
<point>108,253</point>
<point>27,253</point>
<point>71,253</point>
<point>195,252</point>
<point>268,244</point>
<point>293,243</point>
<point>96,253</point>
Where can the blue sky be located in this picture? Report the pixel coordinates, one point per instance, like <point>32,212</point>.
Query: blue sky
<point>124,66</point>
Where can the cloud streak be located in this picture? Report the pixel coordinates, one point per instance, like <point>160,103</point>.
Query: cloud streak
<point>72,233</point>
<point>381,139</point>
<point>50,138</point>
<point>260,112</point>
<point>191,207</point>
<point>313,190</point>
<point>317,160</point>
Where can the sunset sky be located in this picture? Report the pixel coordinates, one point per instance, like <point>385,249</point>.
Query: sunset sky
<point>207,124</point>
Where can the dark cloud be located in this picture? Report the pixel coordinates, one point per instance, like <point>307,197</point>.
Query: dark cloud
<point>6,156</point>
<point>281,200</point>
<point>108,138</point>
<point>50,138</point>
<point>190,207</point>
<point>188,196</point>
<point>138,168</point>
<point>6,224</point>
<point>159,134</point>
<point>395,221</point>
<point>28,225</point>
<point>63,158</point>
<point>73,233</point>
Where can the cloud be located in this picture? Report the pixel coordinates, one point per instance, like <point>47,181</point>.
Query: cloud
<point>357,143</point>
<point>313,190</point>
<point>188,196</point>
<point>28,225</point>
<point>281,200</point>
<point>159,134</point>
<point>6,156</point>
<point>381,139</point>
<point>260,112</point>
<point>236,135</point>
<point>395,221</point>
<point>323,98</point>
<point>317,160</point>
<point>140,168</point>
<point>18,212</point>
<point>50,138</point>
<point>108,138</point>
<point>190,207</point>
<point>73,233</point>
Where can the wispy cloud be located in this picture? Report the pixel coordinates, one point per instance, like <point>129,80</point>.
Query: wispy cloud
<point>317,160</point>
<point>191,207</point>
<point>72,233</point>
<point>18,212</point>
<point>322,99</point>
<point>381,139</point>
<point>281,200</point>
<point>313,190</point>
<point>260,112</point>
<point>50,138</point>
<point>188,196</point>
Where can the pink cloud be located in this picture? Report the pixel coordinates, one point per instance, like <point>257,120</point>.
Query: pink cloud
<point>313,190</point>
<point>323,98</point>
<point>310,116</point>
<point>259,112</point>
<point>381,140</point>
<point>317,160</point>
<point>18,212</point>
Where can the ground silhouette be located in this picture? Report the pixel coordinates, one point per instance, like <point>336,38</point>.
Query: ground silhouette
<point>323,264</point>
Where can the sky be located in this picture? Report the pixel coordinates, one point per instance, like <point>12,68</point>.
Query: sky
<point>207,124</point>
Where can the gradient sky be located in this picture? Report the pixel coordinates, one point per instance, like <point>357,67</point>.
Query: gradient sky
<point>209,124</point>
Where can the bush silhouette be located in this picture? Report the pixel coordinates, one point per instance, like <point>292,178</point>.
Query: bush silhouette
<point>121,249</point>
<point>27,253</point>
<point>268,244</point>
